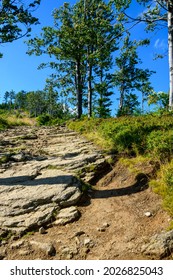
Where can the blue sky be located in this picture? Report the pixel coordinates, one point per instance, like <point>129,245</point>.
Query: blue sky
<point>18,71</point>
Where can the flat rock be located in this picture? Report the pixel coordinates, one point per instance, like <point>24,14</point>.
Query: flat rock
<point>30,201</point>
<point>160,245</point>
<point>67,215</point>
<point>18,157</point>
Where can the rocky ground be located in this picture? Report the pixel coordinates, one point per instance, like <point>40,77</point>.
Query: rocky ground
<point>46,214</point>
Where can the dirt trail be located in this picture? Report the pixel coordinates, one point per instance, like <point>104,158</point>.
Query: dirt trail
<point>113,222</point>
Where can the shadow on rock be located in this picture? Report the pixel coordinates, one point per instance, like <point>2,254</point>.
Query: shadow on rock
<point>30,181</point>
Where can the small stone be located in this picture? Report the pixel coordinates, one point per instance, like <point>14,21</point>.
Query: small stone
<point>4,242</point>
<point>18,157</point>
<point>79,233</point>
<point>42,230</point>
<point>69,256</point>
<point>15,237</point>
<point>148,214</point>
<point>101,229</point>
<point>77,240</point>
<point>88,243</point>
<point>48,248</point>
<point>24,252</point>
<point>66,250</point>
<point>85,250</point>
<point>106,225</point>
<point>2,253</point>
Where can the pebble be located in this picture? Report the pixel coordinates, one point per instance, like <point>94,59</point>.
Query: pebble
<point>2,253</point>
<point>42,230</point>
<point>88,243</point>
<point>103,227</point>
<point>79,233</point>
<point>148,214</point>
<point>48,248</point>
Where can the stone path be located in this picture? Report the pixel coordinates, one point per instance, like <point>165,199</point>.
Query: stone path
<point>41,197</point>
<point>38,174</point>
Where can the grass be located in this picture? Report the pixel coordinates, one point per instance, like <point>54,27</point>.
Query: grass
<point>130,136</point>
<point>13,118</point>
<point>163,185</point>
<point>3,123</point>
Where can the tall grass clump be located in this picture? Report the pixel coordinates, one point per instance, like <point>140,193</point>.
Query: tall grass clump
<point>3,123</point>
<point>163,185</point>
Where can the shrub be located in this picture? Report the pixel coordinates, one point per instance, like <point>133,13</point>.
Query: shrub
<point>3,123</point>
<point>43,119</point>
<point>160,144</point>
<point>133,135</point>
<point>163,185</point>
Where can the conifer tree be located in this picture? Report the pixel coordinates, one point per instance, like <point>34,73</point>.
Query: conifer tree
<point>128,76</point>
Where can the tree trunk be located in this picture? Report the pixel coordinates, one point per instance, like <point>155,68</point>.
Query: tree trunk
<point>89,90</point>
<point>79,90</point>
<point>89,68</point>
<point>122,94</point>
<point>170,48</point>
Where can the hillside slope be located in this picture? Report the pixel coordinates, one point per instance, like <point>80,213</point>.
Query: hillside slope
<point>116,217</point>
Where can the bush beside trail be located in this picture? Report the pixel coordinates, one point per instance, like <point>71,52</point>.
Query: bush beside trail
<point>143,135</point>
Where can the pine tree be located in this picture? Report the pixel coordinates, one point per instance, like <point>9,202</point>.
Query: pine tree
<point>129,77</point>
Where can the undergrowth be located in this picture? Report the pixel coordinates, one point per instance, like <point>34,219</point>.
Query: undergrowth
<point>131,136</point>
<point>163,185</point>
<point>14,118</point>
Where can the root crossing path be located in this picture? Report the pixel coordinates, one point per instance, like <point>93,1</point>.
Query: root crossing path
<point>46,215</point>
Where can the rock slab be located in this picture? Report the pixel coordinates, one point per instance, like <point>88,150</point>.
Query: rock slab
<point>160,245</point>
<point>28,203</point>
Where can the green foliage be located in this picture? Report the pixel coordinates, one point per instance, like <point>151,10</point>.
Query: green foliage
<point>82,41</point>
<point>46,119</point>
<point>14,118</point>
<point>160,143</point>
<point>16,19</point>
<point>163,185</point>
<point>142,135</point>
<point>3,123</point>
<point>161,99</point>
<point>129,77</point>
<point>43,119</point>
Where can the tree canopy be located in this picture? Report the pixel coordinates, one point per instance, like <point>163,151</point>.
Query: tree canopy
<point>16,19</point>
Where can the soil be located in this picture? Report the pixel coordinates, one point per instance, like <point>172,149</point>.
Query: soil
<point>117,217</point>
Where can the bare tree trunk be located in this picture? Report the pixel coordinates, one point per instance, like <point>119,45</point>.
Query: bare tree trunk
<point>170,48</point>
<point>122,95</point>
<point>89,90</point>
<point>79,90</point>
